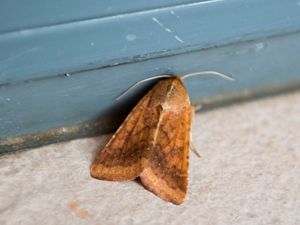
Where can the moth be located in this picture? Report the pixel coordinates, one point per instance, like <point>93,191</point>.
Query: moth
<point>153,142</point>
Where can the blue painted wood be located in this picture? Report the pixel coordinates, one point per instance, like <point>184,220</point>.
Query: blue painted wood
<point>105,46</point>
<point>44,51</point>
<point>16,15</point>
<point>63,101</point>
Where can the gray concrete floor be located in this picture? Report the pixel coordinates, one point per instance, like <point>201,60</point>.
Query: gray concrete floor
<point>249,173</point>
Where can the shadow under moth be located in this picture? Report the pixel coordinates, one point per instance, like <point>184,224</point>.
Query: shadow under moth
<point>153,141</point>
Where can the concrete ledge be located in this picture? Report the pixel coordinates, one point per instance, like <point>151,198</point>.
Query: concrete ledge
<point>248,173</point>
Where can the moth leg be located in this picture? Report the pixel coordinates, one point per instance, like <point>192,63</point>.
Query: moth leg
<point>194,109</point>
<point>194,150</point>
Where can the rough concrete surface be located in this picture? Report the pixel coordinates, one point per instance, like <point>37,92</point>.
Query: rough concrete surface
<point>249,173</point>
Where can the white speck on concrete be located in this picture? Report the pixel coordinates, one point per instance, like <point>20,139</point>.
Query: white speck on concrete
<point>130,37</point>
<point>178,39</point>
<point>92,43</point>
<point>8,99</point>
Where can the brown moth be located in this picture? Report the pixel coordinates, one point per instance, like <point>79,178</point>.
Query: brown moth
<point>153,142</point>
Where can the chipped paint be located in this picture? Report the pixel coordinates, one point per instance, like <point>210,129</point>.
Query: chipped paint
<point>130,37</point>
<point>259,46</point>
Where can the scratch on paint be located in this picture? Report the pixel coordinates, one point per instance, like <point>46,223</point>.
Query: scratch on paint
<point>178,39</point>
<point>166,28</point>
<point>174,14</point>
<point>161,24</point>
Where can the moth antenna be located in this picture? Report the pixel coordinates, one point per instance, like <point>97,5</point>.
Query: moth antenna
<point>142,81</point>
<point>204,73</point>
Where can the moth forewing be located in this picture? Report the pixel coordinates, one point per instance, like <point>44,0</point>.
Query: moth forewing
<point>152,143</point>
